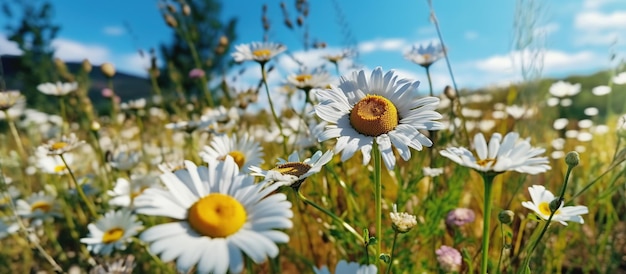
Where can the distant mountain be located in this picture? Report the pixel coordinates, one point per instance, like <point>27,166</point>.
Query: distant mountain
<point>126,86</point>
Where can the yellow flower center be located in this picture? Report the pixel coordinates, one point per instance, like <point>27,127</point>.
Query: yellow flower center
<point>58,145</point>
<point>40,205</point>
<point>238,156</point>
<point>426,57</point>
<point>112,235</point>
<point>374,115</point>
<point>303,77</point>
<point>486,162</point>
<point>293,168</point>
<point>134,194</point>
<point>59,168</point>
<point>217,215</point>
<point>262,53</point>
<point>544,208</point>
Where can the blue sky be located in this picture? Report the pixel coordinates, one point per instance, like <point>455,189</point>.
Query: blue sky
<point>578,34</point>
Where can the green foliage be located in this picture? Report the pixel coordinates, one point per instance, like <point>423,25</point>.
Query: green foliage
<point>33,31</point>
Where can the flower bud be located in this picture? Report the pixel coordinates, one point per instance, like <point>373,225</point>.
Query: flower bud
<point>186,10</point>
<point>506,216</point>
<point>86,66</point>
<point>450,93</point>
<point>402,222</point>
<point>108,69</point>
<point>171,21</point>
<point>555,204</point>
<point>572,159</point>
<point>95,126</point>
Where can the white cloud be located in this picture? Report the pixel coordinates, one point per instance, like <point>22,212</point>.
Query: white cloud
<point>8,47</point>
<point>594,4</point>
<point>69,50</point>
<point>553,61</point>
<point>114,30</point>
<point>134,64</point>
<point>390,44</point>
<point>547,29</point>
<point>597,21</point>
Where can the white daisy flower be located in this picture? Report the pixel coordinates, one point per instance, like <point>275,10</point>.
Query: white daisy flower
<point>620,79</point>
<point>245,151</point>
<point>123,265</point>
<point>38,206</point>
<point>9,98</point>
<point>601,90</point>
<point>306,80</point>
<point>380,108</point>
<point>425,56</point>
<point>541,198</point>
<point>432,172</point>
<point>58,147</point>
<point>58,88</point>
<point>402,222</point>
<point>125,191</point>
<point>257,51</point>
<point>8,226</point>
<point>52,164</point>
<point>293,172</point>
<point>113,231</point>
<point>500,155</point>
<point>344,267</point>
<point>563,89</point>
<point>221,214</point>
<point>123,159</point>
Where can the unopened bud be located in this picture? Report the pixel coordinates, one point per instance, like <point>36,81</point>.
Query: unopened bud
<point>186,10</point>
<point>555,204</point>
<point>450,93</point>
<point>223,41</point>
<point>108,69</point>
<point>171,21</point>
<point>87,66</point>
<point>572,158</point>
<point>506,216</point>
<point>95,126</point>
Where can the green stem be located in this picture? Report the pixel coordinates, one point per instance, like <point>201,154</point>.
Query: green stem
<point>63,115</point>
<point>269,99</point>
<point>430,83</point>
<point>16,135</point>
<point>81,193</point>
<point>330,214</point>
<point>488,181</point>
<point>502,249</point>
<point>393,247</point>
<point>378,199</point>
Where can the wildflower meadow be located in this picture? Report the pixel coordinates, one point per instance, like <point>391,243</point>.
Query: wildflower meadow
<point>338,167</point>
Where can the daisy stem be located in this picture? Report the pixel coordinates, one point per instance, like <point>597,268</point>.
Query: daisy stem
<point>16,135</point>
<point>393,247</point>
<point>63,114</point>
<point>378,199</point>
<point>330,214</point>
<point>30,236</point>
<point>269,99</point>
<point>430,82</point>
<point>79,189</point>
<point>488,181</point>
<point>498,270</point>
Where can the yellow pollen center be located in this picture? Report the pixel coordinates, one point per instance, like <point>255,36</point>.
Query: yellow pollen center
<point>426,57</point>
<point>43,206</point>
<point>238,157</point>
<point>262,53</point>
<point>544,208</point>
<point>293,168</point>
<point>486,162</point>
<point>58,145</point>
<point>59,168</point>
<point>374,115</point>
<point>217,215</point>
<point>134,194</point>
<point>303,77</point>
<point>112,235</point>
